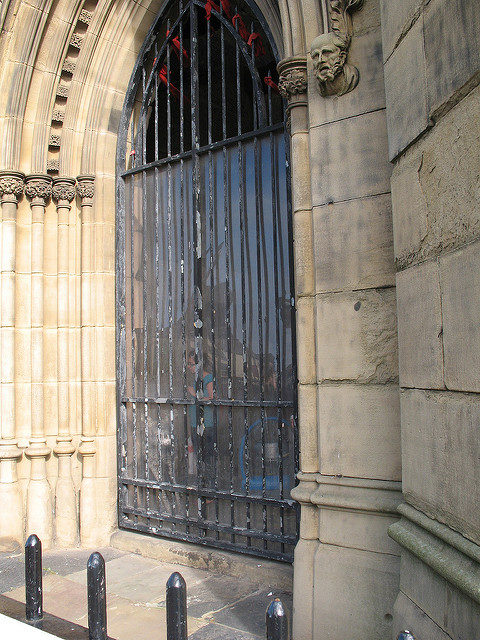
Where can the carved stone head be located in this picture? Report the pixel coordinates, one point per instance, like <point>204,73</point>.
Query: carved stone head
<point>329,52</point>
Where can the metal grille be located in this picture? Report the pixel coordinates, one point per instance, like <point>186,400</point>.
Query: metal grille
<point>206,373</point>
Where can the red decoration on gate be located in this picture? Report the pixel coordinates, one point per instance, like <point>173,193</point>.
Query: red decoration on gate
<point>175,43</point>
<point>210,4</point>
<point>162,75</point>
<point>269,82</point>
<point>242,29</point>
<point>257,39</point>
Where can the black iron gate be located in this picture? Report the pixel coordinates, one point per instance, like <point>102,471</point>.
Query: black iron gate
<point>206,373</point>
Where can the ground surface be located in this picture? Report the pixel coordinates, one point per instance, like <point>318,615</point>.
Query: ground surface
<point>220,607</point>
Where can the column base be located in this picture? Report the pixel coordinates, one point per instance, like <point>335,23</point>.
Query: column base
<point>66,508</point>
<point>11,527</point>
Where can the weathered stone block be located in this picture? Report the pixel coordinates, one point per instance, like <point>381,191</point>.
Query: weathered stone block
<point>440,453</point>
<point>305,340</point>
<point>303,591</point>
<point>420,327</point>
<point>366,54</point>
<point>454,612</point>
<point>359,431</point>
<point>353,245</point>
<point>358,603</point>
<point>397,19</point>
<point>460,283</point>
<point>356,336</point>
<point>422,585</point>
<point>408,616</point>
<point>357,530</point>
<point>407,115</point>
<point>303,253</point>
<point>435,192</point>
<point>452,47</point>
<point>348,159</point>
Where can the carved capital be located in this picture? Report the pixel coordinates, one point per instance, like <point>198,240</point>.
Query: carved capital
<point>63,190</point>
<point>293,77</point>
<point>86,187</point>
<point>329,50</point>
<point>11,184</point>
<point>38,187</point>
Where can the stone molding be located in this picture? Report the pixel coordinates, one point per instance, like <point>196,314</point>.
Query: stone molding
<point>448,553</point>
<point>329,51</point>
<point>38,187</point>
<point>293,81</point>
<point>11,184</point>
<point>86,187</point>
<point>63,190</point>
<point>358,494</point>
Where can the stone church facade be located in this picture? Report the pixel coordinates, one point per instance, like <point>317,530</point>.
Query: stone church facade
<point>383,105</point>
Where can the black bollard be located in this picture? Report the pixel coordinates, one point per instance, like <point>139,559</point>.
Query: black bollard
<point>405,635</point>
<point>176,607</point>
<point>97,599</point>
<point>276,620</point>
<point>33,578</point>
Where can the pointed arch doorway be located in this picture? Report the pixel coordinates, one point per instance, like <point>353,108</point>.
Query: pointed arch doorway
<point>206,375</point>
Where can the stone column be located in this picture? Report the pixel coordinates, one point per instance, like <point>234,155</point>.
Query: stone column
<point>11,525</point>
<point>39,499</point>
<point>66,521</point>
<point>87,449</point>
<point>293,86</point>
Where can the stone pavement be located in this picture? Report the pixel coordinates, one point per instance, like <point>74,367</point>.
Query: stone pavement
<point>219,606</point>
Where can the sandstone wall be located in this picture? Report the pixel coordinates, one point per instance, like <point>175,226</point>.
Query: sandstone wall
<point>431,54</point>
<point>346,567</point>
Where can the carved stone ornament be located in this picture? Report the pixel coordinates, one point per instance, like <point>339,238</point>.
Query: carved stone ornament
<point>86,186</point>
<point>293,77</point>
<point>63,189</point>
<point>38,186</point>
<point>11,183</point>
<point>329,51</point>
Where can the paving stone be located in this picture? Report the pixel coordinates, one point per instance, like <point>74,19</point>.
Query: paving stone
<point>249,614</point>
<point>215,631</point>
<point>118,569</point>
<point>214,593</point>
<point>12,572</point>
<point>150,585</point>
<point>67,561</point>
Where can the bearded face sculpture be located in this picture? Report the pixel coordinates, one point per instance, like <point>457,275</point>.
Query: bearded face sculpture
<point>334,76</point>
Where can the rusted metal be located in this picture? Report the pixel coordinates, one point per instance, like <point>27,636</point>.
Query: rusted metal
<point>205,336</point>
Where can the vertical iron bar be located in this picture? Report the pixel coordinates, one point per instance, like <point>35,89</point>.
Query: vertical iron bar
<point>227,213</point>
<point>273,166</point>
<point>182,267</point>
<point>157,253</point>
<point>276,621</point>
<point>134,338</point>
<point>97,597</point>
<point>156,104</point>
<point>169,273</point>
<point>197,243</point>
<point>145,331</point>
<point>212,276</point>
<point>241,209</point>
<point>33,578</point>
<point>258,216</point>
<point>169,105</point>
<point>176,604</point>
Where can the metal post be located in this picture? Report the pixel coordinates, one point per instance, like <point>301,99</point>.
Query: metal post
<point>405,635</point>
<point>33,579</point>
<point>276,621</point>
<point>176,607</point>
<point>97,601</point>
